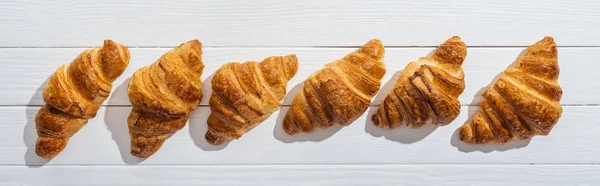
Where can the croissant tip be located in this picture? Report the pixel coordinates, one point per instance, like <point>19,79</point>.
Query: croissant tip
<point>109,44</point>
<point>374,43</point>
<point>454,39</point>
<point>289,129</point>
<point>377,121</point>
<point>49,147</point>
<point>291,63</point>
<point>547,40</point>
<point>289,125</point>
<point>466,133</point>
<point>108,41</point>
<point>375,40</point>
<point>195,41</point>
<point>373,48</point>
<point>213,139</point>
<point>192,43</point>
<point>143,147</point>
<point>452,51</point>
<point>292,56</point>
<point>291,132</point>
<point>140,154</point>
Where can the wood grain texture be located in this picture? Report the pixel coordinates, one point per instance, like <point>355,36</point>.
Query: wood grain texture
<point>38,36</point>
<point>24,71</point>
<point>105,141</point>
<point>458,175</point>
<point>297,23</point>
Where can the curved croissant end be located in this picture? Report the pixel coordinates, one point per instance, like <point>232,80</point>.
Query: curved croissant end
<point>427,90</point>
<point>245,94</point>
<point>338,93</point>
<point>163,95</point>
<point>523,102</point>
<point>74,94</point>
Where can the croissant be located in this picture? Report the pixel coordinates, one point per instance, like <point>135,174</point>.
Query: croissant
<point>162,96</point>
<point>427,90</point>
<point>246,94</point>
<point>74,94</point>
<point>338,93</point>
<point>522,102</point>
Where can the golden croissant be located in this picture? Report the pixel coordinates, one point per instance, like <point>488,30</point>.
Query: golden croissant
<point>523,102</point>
<point>338,93</point>
<point>427,90</point>
<point>163,95</point>
<point>74,94</point>
<point>246,94</point>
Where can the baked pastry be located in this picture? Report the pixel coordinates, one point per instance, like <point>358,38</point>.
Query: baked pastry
<point>163,95</point>
<point>522,102</point>
<point>427,90</point>
<point>74,94</point>
<point>245,94</point>
<point>338,93</point>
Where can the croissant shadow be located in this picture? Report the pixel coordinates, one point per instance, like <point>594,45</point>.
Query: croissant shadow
<point>198,129</point>
<point>316,136</point>
<point>386,89</point>
<point>32,160</point>
<point>465,147</point>
<point>198,121</point>
<point>478,96</point>
<point>289,97</point>
<point>115,119</point>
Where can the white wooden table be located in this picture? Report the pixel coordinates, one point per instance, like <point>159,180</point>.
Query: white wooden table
<point>36,37</point>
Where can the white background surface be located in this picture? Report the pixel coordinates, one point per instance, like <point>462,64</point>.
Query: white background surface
<point>37,37</point>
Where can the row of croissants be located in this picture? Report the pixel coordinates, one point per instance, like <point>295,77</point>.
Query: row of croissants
<point>522,102</point>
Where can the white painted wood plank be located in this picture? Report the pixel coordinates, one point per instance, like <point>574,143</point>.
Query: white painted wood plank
<point>23,71</point>
<point>297,23</point>
<point>105,141</point>
<point>458,175</point>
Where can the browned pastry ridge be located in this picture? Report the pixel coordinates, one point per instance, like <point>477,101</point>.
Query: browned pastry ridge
<point>338,93</point>
<point>163,95</point>
<point>427,90</point>
<point>246,94</point>
<point>74,94</point>
<point>522,102</point>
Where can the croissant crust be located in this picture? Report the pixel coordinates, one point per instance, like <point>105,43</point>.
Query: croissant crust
<point>245,94</point>
<point>338,93</point>
<point>163,95</point>
<point>522,102</point>
<point>427,90</point>
<point>74,93</point>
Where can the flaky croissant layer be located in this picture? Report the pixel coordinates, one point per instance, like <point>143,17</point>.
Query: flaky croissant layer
<point>245,94</point>
<point>163,95</point>
<point>74,93</point>
<point>338,93</point>
<point>427,90</point>
<point>524,101</point>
